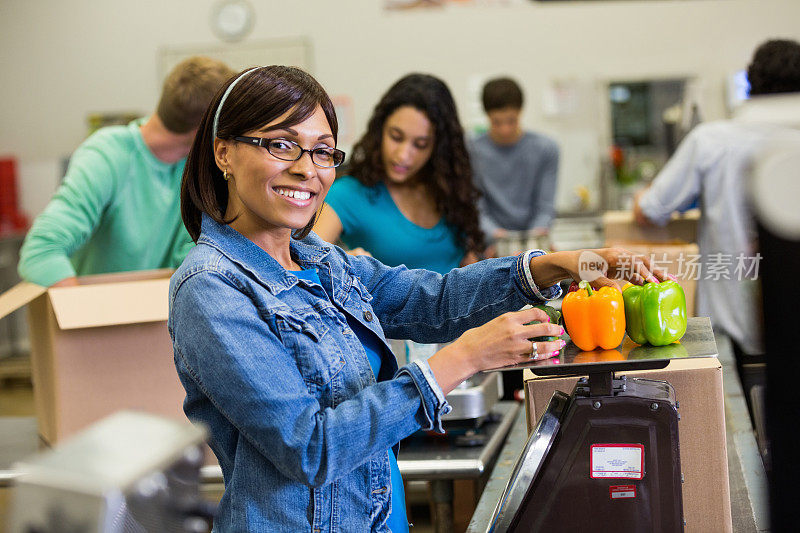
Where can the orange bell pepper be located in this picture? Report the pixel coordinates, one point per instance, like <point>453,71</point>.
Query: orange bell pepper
<point>594,318</point>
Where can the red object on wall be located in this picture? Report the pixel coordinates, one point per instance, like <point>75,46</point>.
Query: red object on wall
<point>617,157</point>
<point>12,220</point>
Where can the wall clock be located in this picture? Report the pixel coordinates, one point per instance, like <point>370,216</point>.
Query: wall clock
<point>232,20</point>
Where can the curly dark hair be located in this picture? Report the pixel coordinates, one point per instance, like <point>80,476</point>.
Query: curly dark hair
<point>447,173</point>
<point>775,68</point>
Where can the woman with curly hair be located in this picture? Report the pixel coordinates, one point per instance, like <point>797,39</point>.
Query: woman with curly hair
<point>409,197</point>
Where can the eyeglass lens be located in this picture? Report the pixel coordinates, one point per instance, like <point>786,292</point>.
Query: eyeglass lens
<point>290,151</point>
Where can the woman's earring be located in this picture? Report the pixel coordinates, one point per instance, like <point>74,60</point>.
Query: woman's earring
<point>225,175</point>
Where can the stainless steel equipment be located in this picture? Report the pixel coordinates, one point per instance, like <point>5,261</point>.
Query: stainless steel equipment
<point>129,473</point>
<point>607,457</point>
<point>472,400</point>
<point>475,397</point>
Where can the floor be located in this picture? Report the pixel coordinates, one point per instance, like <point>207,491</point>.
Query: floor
<point>16,399</point>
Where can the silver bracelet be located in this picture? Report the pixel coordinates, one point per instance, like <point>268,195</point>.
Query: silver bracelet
<point>526,259</point>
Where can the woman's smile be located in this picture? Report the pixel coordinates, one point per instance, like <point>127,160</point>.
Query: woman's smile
<point>301,197</point>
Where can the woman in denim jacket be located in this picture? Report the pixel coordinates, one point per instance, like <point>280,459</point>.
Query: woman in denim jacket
<point>280,337</point>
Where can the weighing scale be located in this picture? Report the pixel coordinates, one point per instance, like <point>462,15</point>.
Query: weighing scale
<point>606,457</point>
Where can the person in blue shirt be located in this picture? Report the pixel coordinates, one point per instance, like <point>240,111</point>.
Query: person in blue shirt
<point>279,337</point>
<point>409,198</point>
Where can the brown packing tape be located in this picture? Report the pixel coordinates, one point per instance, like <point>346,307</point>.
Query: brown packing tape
<point>43,327</point>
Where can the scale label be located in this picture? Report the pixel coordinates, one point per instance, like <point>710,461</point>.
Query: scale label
<point>616,461</point>
<point>622,491</point>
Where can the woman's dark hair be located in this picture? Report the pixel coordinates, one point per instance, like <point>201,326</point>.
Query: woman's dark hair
<point>448,173</point>
<point>775,68</point>
<point>258,98</point>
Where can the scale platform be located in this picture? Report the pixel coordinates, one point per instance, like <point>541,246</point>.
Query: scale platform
<point>697,342</point>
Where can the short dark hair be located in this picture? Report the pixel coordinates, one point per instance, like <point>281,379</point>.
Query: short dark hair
<point>258,98</point>
<point>775,68</point>
<point>501,93</point>
<point>188,89</point>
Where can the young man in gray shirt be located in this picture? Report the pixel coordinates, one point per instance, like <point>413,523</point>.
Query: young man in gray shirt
<point>515,170</point>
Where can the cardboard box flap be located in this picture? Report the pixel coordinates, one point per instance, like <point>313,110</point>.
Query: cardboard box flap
<point>132,275</point>
<point>20,294</point>
<point>110,304</point>
<point>626,217</point>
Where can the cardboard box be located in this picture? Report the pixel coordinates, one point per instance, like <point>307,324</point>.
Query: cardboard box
<point>704,458</point>
<point>619,226</point>
<point>98,348</point>
<point>672,246</point>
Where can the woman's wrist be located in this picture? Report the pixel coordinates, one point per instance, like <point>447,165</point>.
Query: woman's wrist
<point>551,268</point>
<point>451,365</point>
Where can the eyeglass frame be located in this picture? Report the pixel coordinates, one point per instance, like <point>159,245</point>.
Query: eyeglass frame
<point>264,143</point>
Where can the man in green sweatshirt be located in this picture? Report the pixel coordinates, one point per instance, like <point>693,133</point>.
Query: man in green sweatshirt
<point>118,208</point>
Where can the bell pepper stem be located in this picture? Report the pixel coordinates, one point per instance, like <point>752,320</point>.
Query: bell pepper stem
<point>585,285</point>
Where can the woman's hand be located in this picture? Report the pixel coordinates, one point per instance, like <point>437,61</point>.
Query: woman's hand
<point>600,267</point>
<point>504,341</point>
<point>638,213</point>
<point>67,282</point>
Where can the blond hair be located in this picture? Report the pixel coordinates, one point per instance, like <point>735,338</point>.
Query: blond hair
<point>189,88</point>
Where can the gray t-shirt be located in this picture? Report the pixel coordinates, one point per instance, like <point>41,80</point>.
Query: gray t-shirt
<point>518,182</point>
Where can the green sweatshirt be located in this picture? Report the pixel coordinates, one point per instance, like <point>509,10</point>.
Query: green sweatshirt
<point>118,209</point>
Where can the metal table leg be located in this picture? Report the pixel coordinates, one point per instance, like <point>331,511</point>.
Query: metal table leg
<point>442,492</point>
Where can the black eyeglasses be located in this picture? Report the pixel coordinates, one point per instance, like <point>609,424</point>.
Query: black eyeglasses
<point>287,150</point>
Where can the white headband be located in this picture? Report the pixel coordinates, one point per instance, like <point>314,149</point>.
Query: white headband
<point>222,101</point>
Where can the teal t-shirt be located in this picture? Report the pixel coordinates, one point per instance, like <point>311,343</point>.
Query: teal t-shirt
<point>118,209</point>
<point>372,221</point>
<point>397,520</point>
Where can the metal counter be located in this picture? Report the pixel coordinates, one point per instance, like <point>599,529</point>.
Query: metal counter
<point>434,457</point>
<point>517,437</point>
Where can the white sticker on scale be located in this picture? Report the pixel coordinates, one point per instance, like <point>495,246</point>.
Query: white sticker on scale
<point>617,461</point>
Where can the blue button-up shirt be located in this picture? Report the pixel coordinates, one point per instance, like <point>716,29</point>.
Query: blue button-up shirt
<point>297,420</point>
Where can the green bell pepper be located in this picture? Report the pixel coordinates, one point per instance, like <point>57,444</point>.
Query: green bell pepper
<point>555,318</point>
<point>655,313</point>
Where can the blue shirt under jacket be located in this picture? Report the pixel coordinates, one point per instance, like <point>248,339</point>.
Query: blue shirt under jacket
<point>372,221</point>
<point>398,520</point>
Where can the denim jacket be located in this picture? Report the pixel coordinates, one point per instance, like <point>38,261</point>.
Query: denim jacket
<point>297,420</point>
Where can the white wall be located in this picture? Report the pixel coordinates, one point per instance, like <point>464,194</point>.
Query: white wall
<point>63,59</point>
